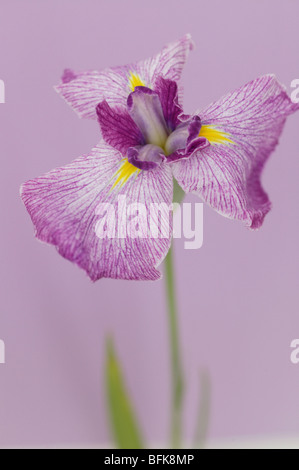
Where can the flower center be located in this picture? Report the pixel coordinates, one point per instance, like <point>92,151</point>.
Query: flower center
<point>153,130</point>
<point>145,109</point>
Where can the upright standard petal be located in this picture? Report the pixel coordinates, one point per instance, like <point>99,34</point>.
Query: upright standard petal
<point>66,206</point>
<point>243,129</point>
<point>84,90</point>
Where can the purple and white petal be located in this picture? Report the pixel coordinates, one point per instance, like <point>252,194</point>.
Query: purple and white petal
<point>118,128</point>
<point>84,90</point>
<point>227,176</point>
<point>169,63</point>
<point>65,208</point>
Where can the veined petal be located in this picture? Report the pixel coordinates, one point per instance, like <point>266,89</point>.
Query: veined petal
<point>64,207</point>
<point>214,135</point>
<point>84,90</point>
<point>125,172</point>
<point>118,128</point>
<point>169,63</point>
<point>227,175</point>
<point>134,81</point>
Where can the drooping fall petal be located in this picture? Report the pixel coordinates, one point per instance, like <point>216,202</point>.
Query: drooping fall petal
<point>64,208</point>
<point>243,129</point>
<point>84,90</point>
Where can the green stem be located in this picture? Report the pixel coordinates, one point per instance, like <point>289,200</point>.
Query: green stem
<point>176,367</point>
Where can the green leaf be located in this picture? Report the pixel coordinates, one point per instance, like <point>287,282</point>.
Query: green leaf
<point>178,192</point>
<point>123,421</point>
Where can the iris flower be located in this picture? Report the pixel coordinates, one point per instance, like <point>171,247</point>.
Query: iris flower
<point>146,141</point>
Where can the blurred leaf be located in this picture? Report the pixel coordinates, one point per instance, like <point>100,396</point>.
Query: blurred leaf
<point>204,410</point>
<point>178,192</point>
<point>122,417</point>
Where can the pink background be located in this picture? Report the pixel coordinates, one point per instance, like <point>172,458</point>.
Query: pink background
<point>238,295</point>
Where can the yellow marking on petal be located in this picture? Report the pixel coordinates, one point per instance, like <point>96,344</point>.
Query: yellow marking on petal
<point>124,173</point>
<point>215,136</point>
<point>135,80</point>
